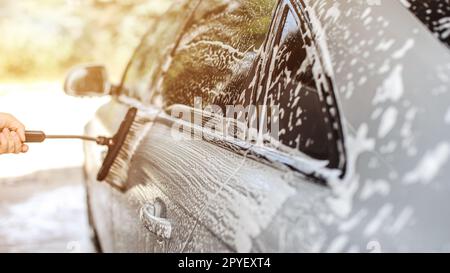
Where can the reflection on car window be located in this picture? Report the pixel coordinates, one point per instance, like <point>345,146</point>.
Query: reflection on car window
<point>304,122</point>
<point>154,48</point>
<point>435,14</point>
<point>215,56</point>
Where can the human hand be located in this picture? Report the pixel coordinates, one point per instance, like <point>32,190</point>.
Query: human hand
<point>12,135</point>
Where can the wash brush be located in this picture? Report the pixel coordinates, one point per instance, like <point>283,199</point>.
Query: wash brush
<point>121,147</point>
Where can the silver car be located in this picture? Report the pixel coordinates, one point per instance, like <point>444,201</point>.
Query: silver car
<point>349,149</point>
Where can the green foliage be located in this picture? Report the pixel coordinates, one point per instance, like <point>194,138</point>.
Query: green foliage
<point>44,38</point>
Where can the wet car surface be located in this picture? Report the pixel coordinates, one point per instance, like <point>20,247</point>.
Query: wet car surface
<point>358,162</point>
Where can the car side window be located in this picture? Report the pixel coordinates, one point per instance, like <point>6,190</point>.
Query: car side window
<point>214,59</point>
<point>291,84</point>
<point>153,49</point>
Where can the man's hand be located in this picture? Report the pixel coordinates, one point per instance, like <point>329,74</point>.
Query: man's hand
<point>12,135</point>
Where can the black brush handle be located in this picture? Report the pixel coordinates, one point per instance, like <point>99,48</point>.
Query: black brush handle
<point>39,137</point>
<point>34,136</point>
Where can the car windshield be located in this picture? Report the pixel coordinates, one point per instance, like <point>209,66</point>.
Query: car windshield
<point>435,14</point>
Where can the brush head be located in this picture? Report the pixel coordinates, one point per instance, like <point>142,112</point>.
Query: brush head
<point>123,146</point>
<point>116,144</point>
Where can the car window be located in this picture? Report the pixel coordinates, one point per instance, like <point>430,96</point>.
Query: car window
<point>154,47</point>
<point>434,14</point>
<point>214,59</point>
<point>290,84</point>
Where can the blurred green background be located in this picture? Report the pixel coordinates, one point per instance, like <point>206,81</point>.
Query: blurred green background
<point>42,39</point>
<point>42,191</point>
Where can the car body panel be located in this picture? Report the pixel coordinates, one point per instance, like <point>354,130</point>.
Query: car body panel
<point>393,86</point>
<point>100,194</point>
<point>391,81</point>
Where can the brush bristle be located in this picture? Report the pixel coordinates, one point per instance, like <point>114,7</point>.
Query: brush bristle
<point>118,172</point>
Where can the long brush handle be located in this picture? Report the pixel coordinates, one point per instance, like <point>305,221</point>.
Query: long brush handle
<point>34,136</point>
<point>39,136</point>
<point>71,137</point>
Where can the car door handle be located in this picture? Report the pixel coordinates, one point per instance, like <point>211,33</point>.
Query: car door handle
<point>161,227</point>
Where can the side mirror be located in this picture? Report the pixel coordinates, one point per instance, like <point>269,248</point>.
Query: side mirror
<point>89,80</point>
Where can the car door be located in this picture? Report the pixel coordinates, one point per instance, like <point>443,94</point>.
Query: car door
<point>271,200</point>
<point>212,69</point>
<point>144,218</point>
<point>236,186</point>
<point>218,188</point>
<point>159,175</point>
<point>170,171</point>
<point>107,213</point>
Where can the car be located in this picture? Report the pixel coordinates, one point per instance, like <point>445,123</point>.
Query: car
<point>278,126</point>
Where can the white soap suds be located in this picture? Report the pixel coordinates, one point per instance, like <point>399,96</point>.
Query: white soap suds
<point>344,190</point>
<point>338,244</point>
<point>388,121</point>
<point>430,165</point>
<point>385,45</point>
<point>371,188</point>
<point>447,116</point>
<point>402,51</point>
<point>402,220</point>
<point>392,88</point>
<point>353,222</point>
<point>405,3</point>
<point>376,223</point>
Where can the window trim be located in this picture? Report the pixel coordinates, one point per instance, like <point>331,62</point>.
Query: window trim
<point>299,11</point>
<point>299,7</point>
<point>268,156</point>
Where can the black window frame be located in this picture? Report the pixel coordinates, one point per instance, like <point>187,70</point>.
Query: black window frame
<point>298,9</point>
